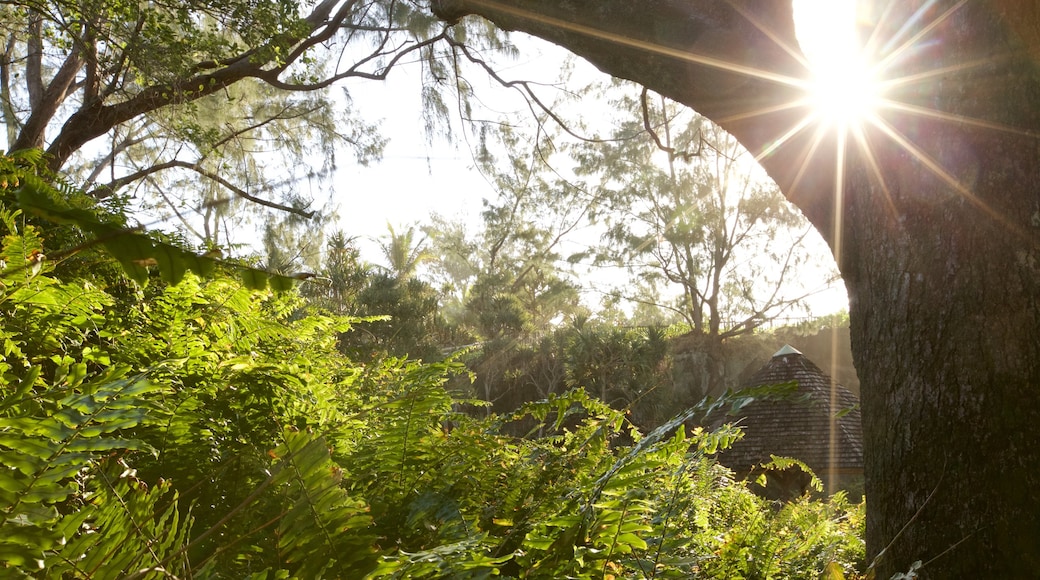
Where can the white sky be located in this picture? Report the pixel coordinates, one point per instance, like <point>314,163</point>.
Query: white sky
<point>417,179</point>
<point>826,31</point>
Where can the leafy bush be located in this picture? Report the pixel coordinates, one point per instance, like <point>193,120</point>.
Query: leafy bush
<point>203,430</point>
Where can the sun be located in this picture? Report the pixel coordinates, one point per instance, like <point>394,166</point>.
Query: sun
<point>844,96</point>
<point>844,91</point>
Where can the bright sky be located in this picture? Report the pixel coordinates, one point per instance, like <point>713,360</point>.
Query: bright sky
<point>417,179</point>
<point>844,90</point>
<point>826,30</point>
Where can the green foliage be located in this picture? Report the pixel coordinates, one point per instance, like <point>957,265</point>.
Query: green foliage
<point>47,437</point>
<point>135,251</point>
<point>397,314</point>
<point>402,253</point>
<point>62,420</point>
<point>323,518</point>
<point>685,210</point>
<point>409,323</point>
<point>625,367</point>
<point>127,528</point>
<point>340,279</point>
<point>783,463</point>
<point>209,430</point>
<point>506,281</point>
<point>819,324</point>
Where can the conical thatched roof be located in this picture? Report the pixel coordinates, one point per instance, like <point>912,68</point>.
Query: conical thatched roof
<point>798,426</point>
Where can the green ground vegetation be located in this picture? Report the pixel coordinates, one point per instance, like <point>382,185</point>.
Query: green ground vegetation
<point>210,428</point>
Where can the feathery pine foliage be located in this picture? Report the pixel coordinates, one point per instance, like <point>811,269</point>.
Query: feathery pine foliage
<point>206,430</point>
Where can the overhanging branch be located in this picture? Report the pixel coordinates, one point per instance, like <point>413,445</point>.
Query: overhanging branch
<point>105,191</point>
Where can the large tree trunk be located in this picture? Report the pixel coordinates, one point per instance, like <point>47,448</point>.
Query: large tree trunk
<point>939,245</point>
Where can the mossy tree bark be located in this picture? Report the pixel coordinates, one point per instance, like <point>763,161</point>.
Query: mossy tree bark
<point>936,231</point>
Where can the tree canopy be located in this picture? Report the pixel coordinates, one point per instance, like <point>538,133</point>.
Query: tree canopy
<point>200,106</point>
<point>684,206</point>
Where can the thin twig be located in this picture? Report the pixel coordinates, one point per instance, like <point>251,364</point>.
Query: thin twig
<point>672,153</point>
<point>877,558</point>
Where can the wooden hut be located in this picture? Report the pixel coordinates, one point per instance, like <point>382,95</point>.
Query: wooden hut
<point>819,424</point>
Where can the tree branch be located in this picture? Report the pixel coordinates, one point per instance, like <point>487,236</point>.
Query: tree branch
<point>11,121</point>
<point>735,62</point>
<point>107,190</point>
<point>92,121</point>
<point>672,153</point>
<point>34,61</point>
<point>524,87</point>
<point>44,103</point>
<point>110,158</point>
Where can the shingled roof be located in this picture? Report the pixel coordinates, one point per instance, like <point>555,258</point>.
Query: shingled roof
<point>797,426</point>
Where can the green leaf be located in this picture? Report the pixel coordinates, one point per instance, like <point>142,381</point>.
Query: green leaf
<point>832,571</point>
<point>44,427</point>
<point>21,389</point>
<point>34,447</point>
<point>631,541</point>
<point>133,248</point>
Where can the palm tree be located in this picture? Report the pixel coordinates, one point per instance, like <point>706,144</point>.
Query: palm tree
<point>403,255</point>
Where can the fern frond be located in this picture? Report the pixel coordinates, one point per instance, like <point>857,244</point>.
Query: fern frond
<point>47,451</point>
<point>324,533</point>
<point>126,530</point>
<point>131,247</point>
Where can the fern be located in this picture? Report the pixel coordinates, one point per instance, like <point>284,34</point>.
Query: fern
<point>126,529</point>
<point>274,457</point>
<point>409,422</point>
<point>778,463</point>
<point>45,196</point>
<point>47,441</point>
<point>463,560</point>
<point>325,532</point>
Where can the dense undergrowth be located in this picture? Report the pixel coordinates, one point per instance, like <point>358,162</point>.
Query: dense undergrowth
<point>211,430</point>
